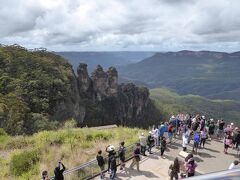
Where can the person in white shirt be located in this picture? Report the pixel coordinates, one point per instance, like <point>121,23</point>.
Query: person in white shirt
<point>143,143</point>
<point>234,165</point>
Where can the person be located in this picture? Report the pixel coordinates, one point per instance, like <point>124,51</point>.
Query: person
<point>189,156</point>
<point>234,136</point>
<point>196,142</point>
<point>227,143</point>
<point>237,139</point>
<point>203,137</point>
<point>155,136</point>
<point>175,169</point>
<point>45,175</point>
<point>101,163</point>
<point>109,149</point>
<point>211,129</point>
<point>234,165</point>
<point>190,167</point>
<point>136,157</point>
<point>220,129</point>
<point>121,153</point>
<point>150,142</point>
<point>58,172</point>
<point>161,131</point>
<point>163,145</point>
<point>143,143</point>
<point>113,165</point>
<point>170,132</point>
<point>185,140</point>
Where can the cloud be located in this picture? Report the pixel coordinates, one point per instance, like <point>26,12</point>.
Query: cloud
<point>121,24</point>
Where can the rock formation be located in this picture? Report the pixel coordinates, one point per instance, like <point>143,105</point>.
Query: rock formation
<point>106,102</point>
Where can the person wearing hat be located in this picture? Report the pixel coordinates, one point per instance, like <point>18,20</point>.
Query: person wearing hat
<point>143,143</point>
<point>150,142</point>
<point>110,150</point>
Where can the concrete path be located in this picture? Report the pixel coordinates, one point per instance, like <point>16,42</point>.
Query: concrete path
<point>210,159</point>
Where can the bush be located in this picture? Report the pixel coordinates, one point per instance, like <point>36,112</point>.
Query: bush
<point>23,162</point>
<point>2,132</point>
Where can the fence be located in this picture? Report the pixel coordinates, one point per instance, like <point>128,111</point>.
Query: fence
<point>90,169</point>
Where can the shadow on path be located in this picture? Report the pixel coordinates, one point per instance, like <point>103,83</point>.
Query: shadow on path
<point>212,150</point>
<point>132,172</point>
<point>205,155</point>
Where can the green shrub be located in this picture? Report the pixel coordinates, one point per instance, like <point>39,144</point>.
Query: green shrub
<point>23,162</point>
<point>2,132</point>
<point>89,137</point>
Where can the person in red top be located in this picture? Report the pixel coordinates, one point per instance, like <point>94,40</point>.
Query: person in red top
<point>170,132</point>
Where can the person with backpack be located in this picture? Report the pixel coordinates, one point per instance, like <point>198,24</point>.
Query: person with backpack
<point>203,136</point>
<point>163,145</point>
<point>113,165</point>
<point>190,167</point>
<point>58,172</point>
<point>174,169</point>
<point>196,142</point>
<point>136,157</point>
<point>101,164</point>
<point>150,142</point>
<point>227,143</point>
<point>121,153</point>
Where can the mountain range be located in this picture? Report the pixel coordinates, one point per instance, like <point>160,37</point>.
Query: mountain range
<point>106,59</point>
<point>215,75</point>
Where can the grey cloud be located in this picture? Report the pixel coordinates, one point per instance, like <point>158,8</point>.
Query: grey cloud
<point>121,24</point>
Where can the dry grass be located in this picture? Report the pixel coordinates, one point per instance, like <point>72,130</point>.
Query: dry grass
<point>73,146</point>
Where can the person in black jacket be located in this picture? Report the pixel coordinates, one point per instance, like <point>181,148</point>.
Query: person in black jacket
<point>121,153</point>
<point>150,142</point>
<point>101,163</point>
<point>113,165</point>
<point>58,172</point>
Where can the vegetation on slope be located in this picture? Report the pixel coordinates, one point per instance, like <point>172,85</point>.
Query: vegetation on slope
<point>172,103</point>
<point>214,75</point>
<point>22,157</point>
<point>31,83</point>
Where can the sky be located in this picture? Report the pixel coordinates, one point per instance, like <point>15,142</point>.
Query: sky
<point>121,25</point>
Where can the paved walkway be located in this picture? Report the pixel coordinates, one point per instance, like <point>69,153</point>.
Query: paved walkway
<point>210,159</point>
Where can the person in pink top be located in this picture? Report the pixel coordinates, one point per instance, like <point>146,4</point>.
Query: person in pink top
<point>227,143</point>
<point>190,167</point>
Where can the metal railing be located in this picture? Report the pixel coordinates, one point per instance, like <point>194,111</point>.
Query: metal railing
<point>90,169</point>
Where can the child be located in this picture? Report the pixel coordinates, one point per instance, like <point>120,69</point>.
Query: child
<point>101,163</point>
<point>196,142</point>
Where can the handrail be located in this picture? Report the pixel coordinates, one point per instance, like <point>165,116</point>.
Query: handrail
<point>89,163</point>
<point>232,174</point>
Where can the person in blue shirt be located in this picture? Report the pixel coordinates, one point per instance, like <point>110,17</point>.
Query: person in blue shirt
<point>197,141</point>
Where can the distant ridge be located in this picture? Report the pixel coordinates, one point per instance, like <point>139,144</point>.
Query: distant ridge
<point>206,73</point>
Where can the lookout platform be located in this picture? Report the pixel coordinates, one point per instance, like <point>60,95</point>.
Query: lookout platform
<point>210,159</point>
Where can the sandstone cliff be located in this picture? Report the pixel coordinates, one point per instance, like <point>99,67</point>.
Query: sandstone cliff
<point>107,102</point>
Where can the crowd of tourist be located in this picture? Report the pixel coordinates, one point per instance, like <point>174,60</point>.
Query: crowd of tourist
<point>194,131</point>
